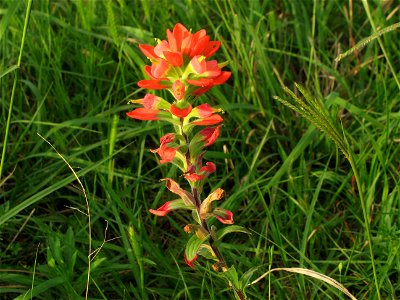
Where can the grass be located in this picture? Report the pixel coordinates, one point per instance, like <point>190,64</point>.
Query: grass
<point>285,180</point>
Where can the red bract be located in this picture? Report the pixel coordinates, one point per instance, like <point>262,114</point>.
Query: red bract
<point>205,68</point>
<point>152,84</point>
<point>161,211</point>
<point>183,41</point>
<point>170,206</point>
<point>193,177</point>
<point>207,83</point>
<point>151,101</point>
<point>204,110</point>
<point>181,61</point>
<point>166,153</point>
<point>207,121</point>
<point>206,170</point>
<point>209,168</point>
<point>223,215</point>
<point>144,114</point>
<point>210,135</point>
<point>180,112</point>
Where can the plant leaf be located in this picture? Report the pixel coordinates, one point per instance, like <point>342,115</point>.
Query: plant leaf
<point>232,277</point>
<point>229,229</point>
<point>193,246</point>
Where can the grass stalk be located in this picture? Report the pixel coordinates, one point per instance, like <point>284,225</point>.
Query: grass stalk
<point>366,221</point>
<point>16,77</point>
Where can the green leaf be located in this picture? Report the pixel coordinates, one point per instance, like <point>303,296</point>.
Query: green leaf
<point>245,279</point>
<point>193,246</point>
<point>179,204</point>
<point>10,69</point>
<point>206,252</point>
<point>8,16</point>
<point>234,228</point>
<point>232,277</point>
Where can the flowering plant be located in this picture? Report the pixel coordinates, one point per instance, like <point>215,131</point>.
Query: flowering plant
<point>182,65</point>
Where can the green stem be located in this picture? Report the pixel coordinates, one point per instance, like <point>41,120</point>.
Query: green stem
<point>221,261</point>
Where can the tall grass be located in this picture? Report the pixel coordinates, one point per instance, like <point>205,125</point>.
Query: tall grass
<point>77,68</point>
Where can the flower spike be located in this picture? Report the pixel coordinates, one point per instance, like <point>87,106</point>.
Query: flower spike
<point>181,65</point>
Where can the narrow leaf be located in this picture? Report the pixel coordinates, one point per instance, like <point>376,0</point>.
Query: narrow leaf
<point>193,246</point>
<point>229,229</point>
<point>10,69</point>
<point>232,277</point>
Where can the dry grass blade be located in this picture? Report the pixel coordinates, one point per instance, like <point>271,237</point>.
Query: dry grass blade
<point>310,273</point>
<point>2,182</point>
<point>88,212</point>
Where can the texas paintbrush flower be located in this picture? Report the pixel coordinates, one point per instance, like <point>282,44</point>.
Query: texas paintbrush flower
<point>180,65</point>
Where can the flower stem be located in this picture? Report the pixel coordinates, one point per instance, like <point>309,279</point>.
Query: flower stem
<point>221,260</point>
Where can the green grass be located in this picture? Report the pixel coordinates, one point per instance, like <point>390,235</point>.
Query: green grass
<point>69,80</point>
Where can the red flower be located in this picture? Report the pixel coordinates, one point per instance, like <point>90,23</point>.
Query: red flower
<point>148,51</point>
<point>170,206</point>
<point>205,68</point>
<point>206,170</point>
<point>153,84</point>
<point>180,112</point>
<point>211,120</point>
<point>203,82</point>
<point>224,76</point>
<point>166,153</point>
<point>210,135</point>
<point>207,83</point>
<point>151,101</point>
<point>204,110</point>
<point>209,168</point>
<point>193,177</point>
<point>159,68</point>
<point>161,211</point>
<point>144,114</point>
<point>183,41</point>
<point>181,60</point>
<point>223,215</point>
